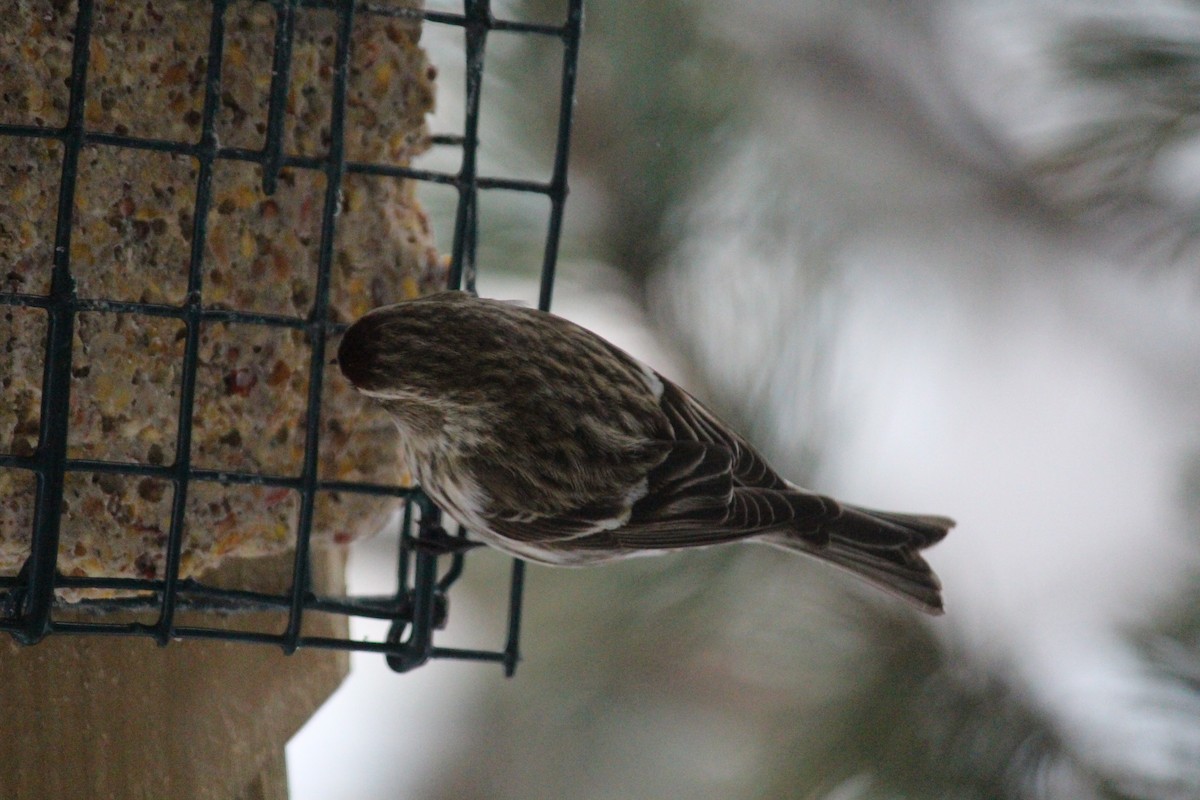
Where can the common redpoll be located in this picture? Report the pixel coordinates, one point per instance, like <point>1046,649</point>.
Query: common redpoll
<point>556,446</point>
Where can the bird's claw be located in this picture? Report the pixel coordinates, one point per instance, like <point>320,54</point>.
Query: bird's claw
<point>434,541</point>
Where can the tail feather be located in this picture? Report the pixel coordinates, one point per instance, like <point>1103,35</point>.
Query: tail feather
<point>910,578</point>
<point>926,529</point>
<point>880,547</point>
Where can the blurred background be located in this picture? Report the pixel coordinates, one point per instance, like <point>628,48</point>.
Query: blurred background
<point>931,256</point>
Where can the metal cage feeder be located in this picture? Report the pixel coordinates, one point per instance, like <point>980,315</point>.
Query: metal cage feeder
<point>29,610</point>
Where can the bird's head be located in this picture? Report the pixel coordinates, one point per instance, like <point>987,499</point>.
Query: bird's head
<point>430,351</point>
<point>369,364</point>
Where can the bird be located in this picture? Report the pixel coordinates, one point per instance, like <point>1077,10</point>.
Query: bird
<point>555,446</point>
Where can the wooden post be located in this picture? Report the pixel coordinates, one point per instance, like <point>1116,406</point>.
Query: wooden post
<point>121,718</point>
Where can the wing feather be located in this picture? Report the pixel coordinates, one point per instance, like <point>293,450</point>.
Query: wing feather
<point>690,420</point>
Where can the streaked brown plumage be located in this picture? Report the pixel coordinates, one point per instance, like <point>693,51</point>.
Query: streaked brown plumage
<point>558,447</point>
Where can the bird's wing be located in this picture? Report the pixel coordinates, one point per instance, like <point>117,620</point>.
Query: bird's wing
<point>690,420</point>
<point>691,500</point>
<point>709,487</point>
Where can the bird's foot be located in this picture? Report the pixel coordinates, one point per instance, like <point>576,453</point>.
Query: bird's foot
<point>434,541</point>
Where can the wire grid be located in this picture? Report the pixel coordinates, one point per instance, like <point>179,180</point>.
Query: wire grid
<point>27,605</point>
